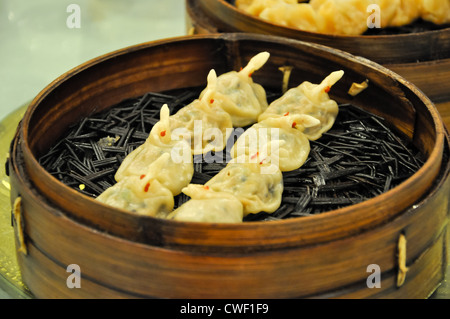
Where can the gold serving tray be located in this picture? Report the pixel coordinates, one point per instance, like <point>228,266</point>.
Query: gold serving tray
<point>10,277</point>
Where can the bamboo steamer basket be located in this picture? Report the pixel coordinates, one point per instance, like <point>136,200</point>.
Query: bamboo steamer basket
<point>121,255</point>
<point>422,58</point>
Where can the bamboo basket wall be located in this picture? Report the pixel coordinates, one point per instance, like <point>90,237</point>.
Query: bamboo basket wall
<point>122,255</point>
<point>422,58</point>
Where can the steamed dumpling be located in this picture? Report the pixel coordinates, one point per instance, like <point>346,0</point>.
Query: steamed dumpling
<point>170,166</point>
<point>257,186</point>
<point>142,195</point>
<point>209,206</point>
<point>203,123</point>
<point>281,138</point>
<point>169,160</point>
<point>237,94</point>
<point>309,99</point>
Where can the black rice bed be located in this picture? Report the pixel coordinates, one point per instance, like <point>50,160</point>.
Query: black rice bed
<point>358,159</point>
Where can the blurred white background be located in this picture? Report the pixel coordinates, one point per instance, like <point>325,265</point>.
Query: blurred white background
<point>37,45</point>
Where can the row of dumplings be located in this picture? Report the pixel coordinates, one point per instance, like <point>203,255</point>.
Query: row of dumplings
<point>159,169</point>
<point>345,17</point>
<point>277,141</point>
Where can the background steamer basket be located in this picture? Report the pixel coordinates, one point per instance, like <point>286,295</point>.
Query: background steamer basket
<point>403,231</point>
<point>422,58</point>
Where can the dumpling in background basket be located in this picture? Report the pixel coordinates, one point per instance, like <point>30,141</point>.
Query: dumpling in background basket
<point>395,13</point>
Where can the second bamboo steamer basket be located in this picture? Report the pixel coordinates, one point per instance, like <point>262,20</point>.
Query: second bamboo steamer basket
<point>422,58</point>
<point>122,255</point>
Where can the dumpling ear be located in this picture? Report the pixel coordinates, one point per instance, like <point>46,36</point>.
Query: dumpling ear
<point>297,121</point>
<point>164,114</point>
<point>162,128</point>
<point>211,87</point>
<point>255,63</point>
<point>306,121</point>
<point>193,190</point>
<point>328,82</point>
<point>212,79</point>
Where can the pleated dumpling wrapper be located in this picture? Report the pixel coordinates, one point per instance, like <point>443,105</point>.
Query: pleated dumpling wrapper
<point>172,159</point>
<point>436,11</point>
<point>203,123</point>
<point>208,206</point>
<point>281,138</point>
<point>288,13</point>
<point>237,94</point>
<point>395,13</point>
<point>257,185</point>
<point>257,6</point>
<point>308,99</point>
<point>143,195</point>
<point>348,17</point>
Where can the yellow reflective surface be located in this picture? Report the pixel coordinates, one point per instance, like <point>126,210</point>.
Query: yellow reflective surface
<point>10,277</point>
